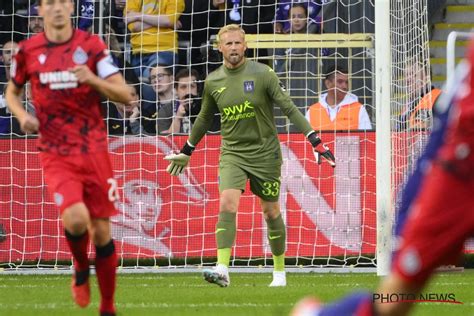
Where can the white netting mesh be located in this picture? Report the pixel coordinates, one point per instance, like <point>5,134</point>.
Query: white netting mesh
<point>330,214</point>
<point>412,95</point>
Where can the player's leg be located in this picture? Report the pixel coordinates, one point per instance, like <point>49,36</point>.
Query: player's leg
<point>232,180</point>
<point>105,263</point>
<point>433,235</point>
<point>225,237</point>
<point>65,186</point>
<point>226,224</point>
<point>100,191</point>
<point>76,220</point>
<point>276,234</point>
<point>265,183</point>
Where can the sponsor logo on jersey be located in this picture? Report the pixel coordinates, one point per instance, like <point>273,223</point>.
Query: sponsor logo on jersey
<point>42,58</point>
<point>249,86</point>
<point>238,112</point>
<point>218,91</point>
<point>58,80</point>
<point>80,56</point>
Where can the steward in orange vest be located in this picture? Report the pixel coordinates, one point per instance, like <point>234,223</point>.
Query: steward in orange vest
<point>421,117</point>
<point>349,114</point>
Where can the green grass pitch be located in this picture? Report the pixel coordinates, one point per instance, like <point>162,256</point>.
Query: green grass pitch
<point>188,294</point>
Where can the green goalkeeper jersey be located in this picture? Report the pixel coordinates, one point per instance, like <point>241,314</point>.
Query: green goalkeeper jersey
<point>245,98</point>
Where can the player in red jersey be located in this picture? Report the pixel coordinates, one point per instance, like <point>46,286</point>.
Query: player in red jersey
<point>438,199</point>
<point>69,70</point>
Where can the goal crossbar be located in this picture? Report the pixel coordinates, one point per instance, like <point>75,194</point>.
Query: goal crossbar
<point>358,40</point>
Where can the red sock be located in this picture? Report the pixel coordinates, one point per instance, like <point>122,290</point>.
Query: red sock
<point>106,269</point>
<point>78,246</point>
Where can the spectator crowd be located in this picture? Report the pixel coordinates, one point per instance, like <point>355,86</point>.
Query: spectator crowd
<point>165,50</point>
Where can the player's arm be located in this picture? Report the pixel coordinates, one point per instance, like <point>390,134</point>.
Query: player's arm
<point>278,94</point>
<point>112,87</point>
<point>13,96</point>
<point>202,124</point>
<point>109,82</point>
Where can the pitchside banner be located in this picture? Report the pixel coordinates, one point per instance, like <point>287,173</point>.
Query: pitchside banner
<point>328,212</point>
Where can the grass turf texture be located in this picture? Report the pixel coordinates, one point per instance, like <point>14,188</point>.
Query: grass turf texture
<point>188,294</point>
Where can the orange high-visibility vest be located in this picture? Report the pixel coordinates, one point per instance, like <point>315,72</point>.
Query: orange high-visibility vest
<point>420,118</point>
<point>347,117</point>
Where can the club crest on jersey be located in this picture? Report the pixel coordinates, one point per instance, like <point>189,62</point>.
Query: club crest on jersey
<point>80,56</point>
<point>42,58</point>
<point>249,86</point>
<point>58,198</point>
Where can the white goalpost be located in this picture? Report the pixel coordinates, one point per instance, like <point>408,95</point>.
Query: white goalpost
<point>383,83</point>
<point>337,219</point>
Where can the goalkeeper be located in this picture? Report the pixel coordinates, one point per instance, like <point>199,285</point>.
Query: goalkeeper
<point>244,92</point>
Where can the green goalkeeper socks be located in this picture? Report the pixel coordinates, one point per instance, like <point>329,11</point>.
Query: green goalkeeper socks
<point>279,263</point>
<point>277,236</point>
<point>225,236</point>
<point>223,256</point>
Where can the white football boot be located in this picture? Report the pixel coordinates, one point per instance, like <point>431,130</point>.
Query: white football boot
<point>218,275</point>
<point>279,279</point>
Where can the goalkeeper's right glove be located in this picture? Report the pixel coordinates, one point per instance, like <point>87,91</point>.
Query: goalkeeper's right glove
<point>179,161</point>
<point>321,150</point>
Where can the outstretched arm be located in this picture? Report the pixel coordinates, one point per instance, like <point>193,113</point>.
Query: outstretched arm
<point>205,117</point>
<point>279,95</point>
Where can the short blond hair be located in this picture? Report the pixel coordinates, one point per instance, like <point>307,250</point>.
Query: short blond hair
<point>230,28</point>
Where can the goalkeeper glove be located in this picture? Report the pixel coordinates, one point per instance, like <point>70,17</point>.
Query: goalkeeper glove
<point>179,161</point>
<point>321,150</point>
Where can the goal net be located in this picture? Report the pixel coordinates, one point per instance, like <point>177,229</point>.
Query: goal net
<point>170,221</point>
<point>412,92</point>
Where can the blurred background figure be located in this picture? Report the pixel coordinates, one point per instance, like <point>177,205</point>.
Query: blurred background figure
<point>283,15</point>
<point>121,119</point>
<point>188,92</point>
<point>421,98</point>
<point>8,50</point>
<point>157,113</point>
<point>35,22</point>
<point>299,24</point>
<point>153,36</point>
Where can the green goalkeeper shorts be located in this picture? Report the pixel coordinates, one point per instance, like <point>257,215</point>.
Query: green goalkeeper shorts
<point>264,179</point>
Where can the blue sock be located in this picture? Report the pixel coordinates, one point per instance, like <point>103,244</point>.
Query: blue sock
<point>356,304</point>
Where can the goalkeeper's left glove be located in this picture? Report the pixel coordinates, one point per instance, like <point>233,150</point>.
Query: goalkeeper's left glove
<point>179,161</point>
<point>321,150</point>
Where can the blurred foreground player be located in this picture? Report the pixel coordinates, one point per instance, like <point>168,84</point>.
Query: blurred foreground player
<point>68,70</point>
<point>435,230</point>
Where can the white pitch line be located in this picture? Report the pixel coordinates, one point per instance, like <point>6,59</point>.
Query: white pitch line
<point>49,306</point>
<point>33,306</point>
